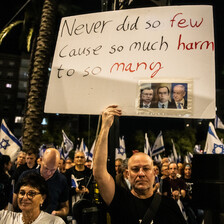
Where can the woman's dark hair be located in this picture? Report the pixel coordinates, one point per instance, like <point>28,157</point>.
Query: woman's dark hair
<point>35,180</point>
<point>4,159</point>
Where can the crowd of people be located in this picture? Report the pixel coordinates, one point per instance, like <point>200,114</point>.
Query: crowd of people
<point>52,188</point>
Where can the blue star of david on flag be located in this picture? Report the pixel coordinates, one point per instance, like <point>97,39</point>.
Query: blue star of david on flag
<point>218,149</point>
<point>4,144</point>
<point>213,144</point>
<point>66,146</point>
<point>9,144</point>
<point>121,150</point>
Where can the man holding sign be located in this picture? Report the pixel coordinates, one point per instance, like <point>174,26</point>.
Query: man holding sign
<point>131,207</point>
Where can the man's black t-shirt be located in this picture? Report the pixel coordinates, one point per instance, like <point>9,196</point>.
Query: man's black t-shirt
<point>83,178</point>
<point>125,208</point>
<point>170,185</point>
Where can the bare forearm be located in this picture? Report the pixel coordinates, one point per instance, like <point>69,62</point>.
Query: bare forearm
<point>63,212</point>
<point>101,153</point>
<point>104,180</point>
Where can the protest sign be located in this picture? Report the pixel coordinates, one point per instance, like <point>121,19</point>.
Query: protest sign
<point>109,57</point>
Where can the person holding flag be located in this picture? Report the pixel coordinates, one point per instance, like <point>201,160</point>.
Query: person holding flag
<point>79,179</point>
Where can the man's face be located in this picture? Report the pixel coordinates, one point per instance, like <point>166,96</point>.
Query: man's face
<point>178,93</point>
<point>165,170</point>
<point>61,164</point>
<point>173,170</point>
<point>163,94</point>
<point>117,166</point>
<point>187,171</point>
<point>21,159</point>
<point>179,167</point>
<point>141,173</point>
<point>79,158</point>
<point>47,169</point>
<point>147,95</point>
<point>30,160</point>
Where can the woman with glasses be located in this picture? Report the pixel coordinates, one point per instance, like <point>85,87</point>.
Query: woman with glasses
<point>32,197</point>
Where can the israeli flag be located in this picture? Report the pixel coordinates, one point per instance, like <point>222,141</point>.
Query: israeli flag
<point>74,183</point>
<point>158,146</point>
<point>158,158</point>
<point>147,148</point>
<point>66,146</point>
<point>218,123</point>
<point>83,148</point>
<point>42,150</point>
<point>9,144</point>
<point>175,156</point>
<point>213,144</point>
<point>120,152</point>
<point>90,156</point>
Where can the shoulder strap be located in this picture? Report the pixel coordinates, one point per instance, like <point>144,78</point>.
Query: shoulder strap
<point>153,208</point>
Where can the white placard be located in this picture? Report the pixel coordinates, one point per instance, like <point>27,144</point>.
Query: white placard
<point>106,58</point>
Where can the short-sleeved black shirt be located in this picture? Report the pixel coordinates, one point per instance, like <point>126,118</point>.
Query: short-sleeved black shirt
<point>125,208</point>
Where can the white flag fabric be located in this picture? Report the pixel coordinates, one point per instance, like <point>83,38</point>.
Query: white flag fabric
<point>66,146</point>
<point>182,209</point>
<point>187,159</point>
<point>147,148</point>
<point>120,152</point>
<point>213,144</point>
<point>158,146</point>
<point>158,158</point>
<point>90,156</point>
<point>174,152</point>
<point>218,123</point>
<point>171,157</point>
<point>197,149</point>
<point>83,148</point>
<point>42,150</point>
<point>74,183</point>
<point>9,144</point>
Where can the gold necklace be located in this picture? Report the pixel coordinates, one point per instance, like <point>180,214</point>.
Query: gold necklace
<point>28,222</point>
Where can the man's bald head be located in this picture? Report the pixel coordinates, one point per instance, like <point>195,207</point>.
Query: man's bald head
<point>50,163</point>
<point>139,156</point>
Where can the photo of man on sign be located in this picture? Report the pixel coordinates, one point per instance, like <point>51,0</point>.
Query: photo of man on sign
<point>146,97</point>
<point>165,96</point>
<point>179,94</point>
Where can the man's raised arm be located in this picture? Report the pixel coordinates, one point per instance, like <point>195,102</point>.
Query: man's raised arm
<point>104,180</point>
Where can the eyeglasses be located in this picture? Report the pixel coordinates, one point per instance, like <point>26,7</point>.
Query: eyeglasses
<point>30,194</point>
<point>147,94</point>
<point>79,157</point>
